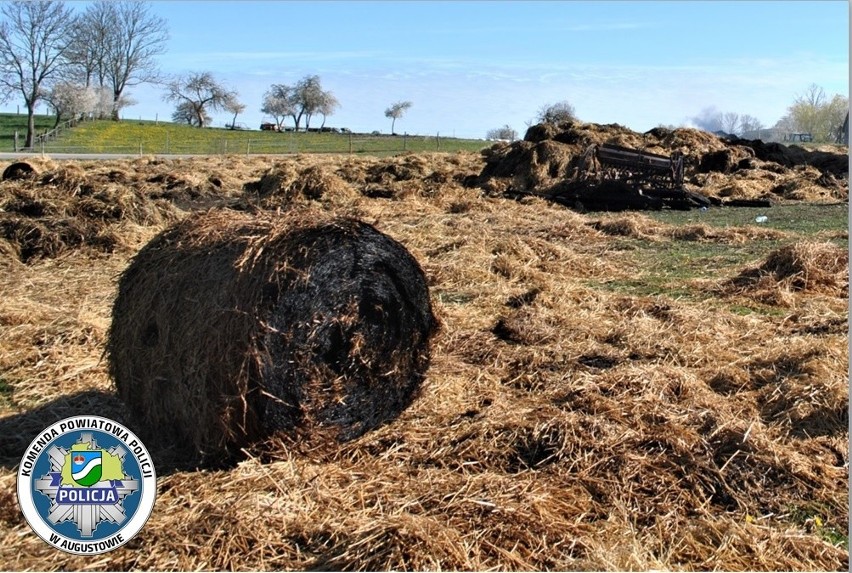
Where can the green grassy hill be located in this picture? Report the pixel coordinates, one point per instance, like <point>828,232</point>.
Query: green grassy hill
<point>149,137</point>
<point>12,122</point>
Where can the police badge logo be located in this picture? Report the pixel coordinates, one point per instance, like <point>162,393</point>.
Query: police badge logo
<point>86,485</point>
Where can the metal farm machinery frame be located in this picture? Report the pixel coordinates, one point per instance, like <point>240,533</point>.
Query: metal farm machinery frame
<point>628,178</point>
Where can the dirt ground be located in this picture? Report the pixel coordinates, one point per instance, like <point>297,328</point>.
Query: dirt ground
<point>565,424</point>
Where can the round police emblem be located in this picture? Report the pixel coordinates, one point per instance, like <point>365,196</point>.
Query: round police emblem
<point>86,485</point>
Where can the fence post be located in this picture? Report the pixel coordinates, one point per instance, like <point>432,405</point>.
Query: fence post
<point>405,141</point>
<point>248,146</point>
<point>438,141</point>
<point>140,148</point>
<point>167,143</point>
<point>16,141</point>
<point>350,142</point>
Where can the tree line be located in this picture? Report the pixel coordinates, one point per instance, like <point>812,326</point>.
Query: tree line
<point>82,64</point>
<point>73,61</point>
<point>812,114</point>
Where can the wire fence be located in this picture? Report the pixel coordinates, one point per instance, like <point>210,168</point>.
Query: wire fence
<point>256,143</point>
<point>40,140</point>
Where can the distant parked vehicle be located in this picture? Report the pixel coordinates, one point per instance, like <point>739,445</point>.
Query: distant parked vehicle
<point>268,127</point>
<point>237,125</point>
<point>801,137</point>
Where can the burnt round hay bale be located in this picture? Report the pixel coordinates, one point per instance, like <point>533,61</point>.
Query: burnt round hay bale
<point>18,170</point>
<point>229,329</point>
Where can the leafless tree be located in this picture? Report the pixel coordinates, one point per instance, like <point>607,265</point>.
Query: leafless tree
<point>749,124</point>
<point>814,96</point>
<point>197,95</point>
<point>186,113</point>
<point>557,112</point>
<point>785,124</point>
<point>505,133</point>
<point>33,40</point>
<point>396,111</point>
<point>115,45</point>
<point>85,53</point>
<point>731,122</point>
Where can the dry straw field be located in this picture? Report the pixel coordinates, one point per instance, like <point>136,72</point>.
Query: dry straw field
<point>566,421</point>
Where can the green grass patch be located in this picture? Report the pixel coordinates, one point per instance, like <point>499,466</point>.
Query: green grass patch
<point>150,137</point>
<point>12,122</point>
<point>667,267</point>
<point>819,518</point>
<point>804,218</point>
<point>453,297</point>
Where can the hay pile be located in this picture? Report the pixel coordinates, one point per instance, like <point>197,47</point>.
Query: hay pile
<point>805,266</point>
<point>595,399</point>
<point>288,184</point>
<point>59,207</point>
<point>294,181</point>
<point>551,156</point>
<point>228,329</point>
<point>47,215</point>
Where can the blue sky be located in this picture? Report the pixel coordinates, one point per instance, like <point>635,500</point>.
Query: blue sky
<point>471,66</point>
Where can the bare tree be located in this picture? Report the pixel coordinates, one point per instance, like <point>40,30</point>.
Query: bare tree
<point>116,43</point>
<point>33,40</point>
<point>186,113</point>
<point>396,111</point>
<point>557,112</point>
<point>785,124</point>
<point>749,124</point>
<point>731,122</point>
<point>504,133</point>
<point>197,95</point>
<point>85,51</point>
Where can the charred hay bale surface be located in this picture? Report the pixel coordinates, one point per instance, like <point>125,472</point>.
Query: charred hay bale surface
<point>18,170</point>
<point>228,329</point>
